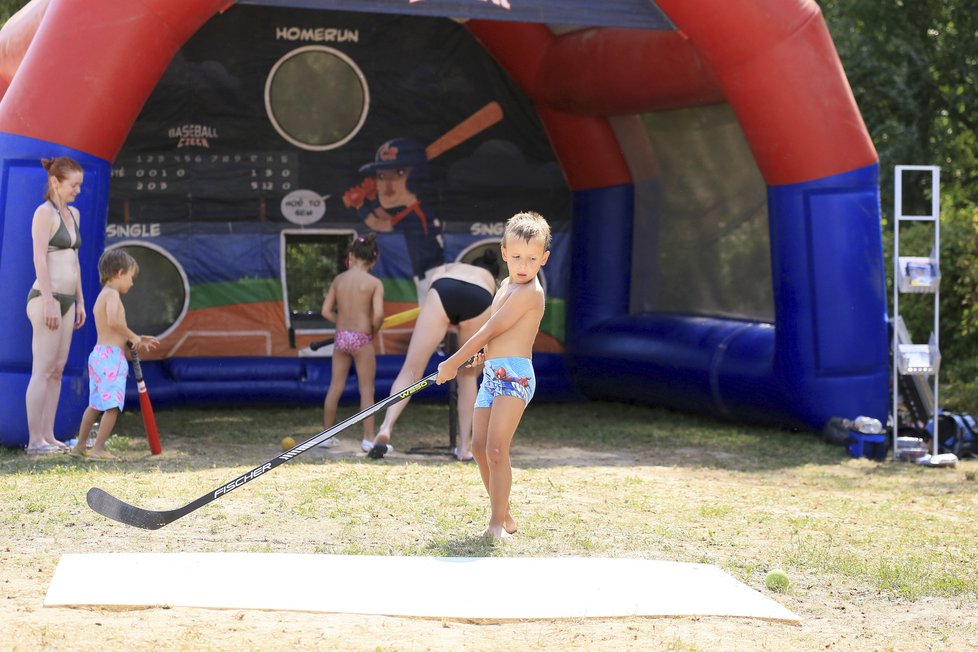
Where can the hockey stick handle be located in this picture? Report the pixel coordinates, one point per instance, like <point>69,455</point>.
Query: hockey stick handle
<point>137,369</point>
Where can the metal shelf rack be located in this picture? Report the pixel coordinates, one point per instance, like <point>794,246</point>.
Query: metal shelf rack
<point>916,274</point>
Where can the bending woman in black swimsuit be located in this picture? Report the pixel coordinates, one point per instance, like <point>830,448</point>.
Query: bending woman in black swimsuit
<point>55,304</point>
<point>460,295</point>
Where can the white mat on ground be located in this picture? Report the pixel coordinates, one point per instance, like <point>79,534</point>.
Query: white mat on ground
<point>491,588</point>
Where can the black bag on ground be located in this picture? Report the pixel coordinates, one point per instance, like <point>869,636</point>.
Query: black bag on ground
<point>957,433</point>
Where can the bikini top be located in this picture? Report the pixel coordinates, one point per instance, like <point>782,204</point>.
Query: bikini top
<point>61,238</point>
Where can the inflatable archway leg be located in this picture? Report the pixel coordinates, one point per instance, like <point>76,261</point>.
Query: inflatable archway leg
<point>827,265</point>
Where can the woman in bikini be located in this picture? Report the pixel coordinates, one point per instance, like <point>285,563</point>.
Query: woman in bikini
<point>460,296</point>
<point>355,303</point>
<point>55,304</point>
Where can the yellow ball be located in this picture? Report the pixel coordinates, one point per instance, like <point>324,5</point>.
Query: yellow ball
<point>287,443</point>
<point>777,581</point>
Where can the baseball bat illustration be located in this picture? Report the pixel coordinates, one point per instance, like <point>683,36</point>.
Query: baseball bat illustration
<point>145,407</point>
<point>481,120</point>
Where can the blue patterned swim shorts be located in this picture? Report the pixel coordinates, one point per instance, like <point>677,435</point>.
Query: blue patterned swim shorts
<point>506,377</point>
<point>107,373</point>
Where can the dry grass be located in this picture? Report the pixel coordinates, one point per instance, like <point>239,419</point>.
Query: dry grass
<point>880,555</point>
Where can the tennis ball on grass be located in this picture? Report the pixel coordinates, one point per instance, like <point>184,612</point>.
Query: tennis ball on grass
<point>287,443</point>
<point>777,581</point>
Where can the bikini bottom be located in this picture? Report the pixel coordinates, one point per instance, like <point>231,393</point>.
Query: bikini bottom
<point>66,300</point>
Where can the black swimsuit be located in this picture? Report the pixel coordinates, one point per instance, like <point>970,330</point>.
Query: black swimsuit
<point>461,300</point>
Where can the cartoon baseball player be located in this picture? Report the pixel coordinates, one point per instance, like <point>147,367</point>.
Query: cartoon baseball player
<point>387,201</point>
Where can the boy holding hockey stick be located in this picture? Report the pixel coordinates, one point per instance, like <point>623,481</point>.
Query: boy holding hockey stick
<point>508,382</point>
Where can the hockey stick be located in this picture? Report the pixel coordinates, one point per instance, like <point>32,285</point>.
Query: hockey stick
<point>111,507</point>
<point>145,407</point>
<point>394,320</point>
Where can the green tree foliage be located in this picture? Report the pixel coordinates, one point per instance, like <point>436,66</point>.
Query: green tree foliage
<point>913,68</point>
<point>9,7</point>
<point>311,263</point>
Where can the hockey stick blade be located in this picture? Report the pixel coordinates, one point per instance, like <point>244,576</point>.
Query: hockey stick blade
<point>111,507</point>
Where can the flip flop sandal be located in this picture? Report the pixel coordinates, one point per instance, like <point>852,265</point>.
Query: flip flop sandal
<point>44,449</point>
<point>104,456</point>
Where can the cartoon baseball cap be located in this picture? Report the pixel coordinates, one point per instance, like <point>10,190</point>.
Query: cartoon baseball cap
<point>397,153</point>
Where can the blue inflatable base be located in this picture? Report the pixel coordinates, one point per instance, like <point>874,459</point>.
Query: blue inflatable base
<point>228,382</point>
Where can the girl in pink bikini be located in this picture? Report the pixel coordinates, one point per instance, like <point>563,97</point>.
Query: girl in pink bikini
<point>355,303</point>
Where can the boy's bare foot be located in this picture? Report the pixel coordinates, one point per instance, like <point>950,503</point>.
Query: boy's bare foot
<point>497,532</point>
<point>383,436</point>
<point>509,524</point>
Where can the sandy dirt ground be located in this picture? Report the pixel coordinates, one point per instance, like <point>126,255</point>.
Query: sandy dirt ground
<point>832,617</point>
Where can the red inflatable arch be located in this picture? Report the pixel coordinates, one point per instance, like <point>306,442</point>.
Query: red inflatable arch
<point>76,73</point>
<point>106,62</point>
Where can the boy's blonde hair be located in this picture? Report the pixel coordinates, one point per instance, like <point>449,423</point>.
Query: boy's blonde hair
<point>528,226</point>
<point>114,262</point>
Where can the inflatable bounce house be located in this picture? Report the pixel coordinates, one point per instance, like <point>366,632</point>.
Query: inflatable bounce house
<point>711,184</point>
